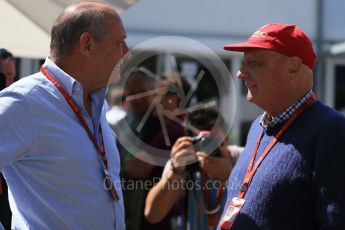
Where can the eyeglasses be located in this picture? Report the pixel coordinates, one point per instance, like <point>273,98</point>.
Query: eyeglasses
<point>5,54</point>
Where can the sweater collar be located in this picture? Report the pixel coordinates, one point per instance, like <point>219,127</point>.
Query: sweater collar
<point>267,121</point>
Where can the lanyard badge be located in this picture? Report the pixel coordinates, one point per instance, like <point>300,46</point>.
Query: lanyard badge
<point>231,213</point>
<point>109,185</point>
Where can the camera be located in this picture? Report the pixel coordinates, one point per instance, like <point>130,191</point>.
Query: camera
<point>202,142</point>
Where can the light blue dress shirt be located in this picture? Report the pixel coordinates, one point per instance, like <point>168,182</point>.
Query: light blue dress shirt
<point>53,172</point>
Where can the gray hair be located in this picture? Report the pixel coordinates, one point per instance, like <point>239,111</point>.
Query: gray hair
<point>69,26</point>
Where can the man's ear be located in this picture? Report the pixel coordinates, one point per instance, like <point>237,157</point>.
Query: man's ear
<point>294,67</point>
<point>86,43</point>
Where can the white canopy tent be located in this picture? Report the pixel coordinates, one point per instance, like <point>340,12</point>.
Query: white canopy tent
<point>21,36</point>
<point>26,24</point>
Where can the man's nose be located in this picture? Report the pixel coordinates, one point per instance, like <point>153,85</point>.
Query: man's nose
<point>240,75</point>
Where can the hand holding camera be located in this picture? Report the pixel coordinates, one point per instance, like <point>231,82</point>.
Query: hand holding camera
<point>181,153</point>
<point>204,142</point>
<point>184,151</point>
<point>191,155</point>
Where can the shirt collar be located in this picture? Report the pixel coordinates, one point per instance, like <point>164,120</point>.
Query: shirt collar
<point>74,88</point>
<point>71,85</point>
<point>66,81</point>
<point>268,121</point>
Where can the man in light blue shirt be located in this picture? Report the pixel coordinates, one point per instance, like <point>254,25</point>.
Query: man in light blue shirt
<point>54,171</point>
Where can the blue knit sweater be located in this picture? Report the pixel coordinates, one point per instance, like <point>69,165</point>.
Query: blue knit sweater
<point>301,183</point>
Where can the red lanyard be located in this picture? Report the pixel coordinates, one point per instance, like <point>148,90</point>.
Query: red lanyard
<point>252,170</point>
<point>72,104</point>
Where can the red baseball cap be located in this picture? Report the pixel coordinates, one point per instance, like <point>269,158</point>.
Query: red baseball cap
<point>285,39</point>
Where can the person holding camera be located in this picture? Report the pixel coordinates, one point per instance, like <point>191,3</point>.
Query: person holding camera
<point>170,89</point>
<point>199,204</point>
<point>7,68</point>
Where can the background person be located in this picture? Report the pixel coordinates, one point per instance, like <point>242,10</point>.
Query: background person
<point>134,170</point>
<point>188,204</point>
<point>57,150</point>
<point>299,183</point>
<point>171,99</point>
<point>7,66</point>
<point>166,101</point>
<point>168,91</point>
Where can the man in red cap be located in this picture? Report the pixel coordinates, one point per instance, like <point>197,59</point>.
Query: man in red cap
<point>291,174</point>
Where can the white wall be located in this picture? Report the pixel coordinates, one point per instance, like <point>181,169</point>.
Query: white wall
<point>334,20</point>
<point>222,20</point>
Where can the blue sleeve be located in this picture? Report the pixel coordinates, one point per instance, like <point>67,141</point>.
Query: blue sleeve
<point>15,131</point>
<point>329,175</point>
